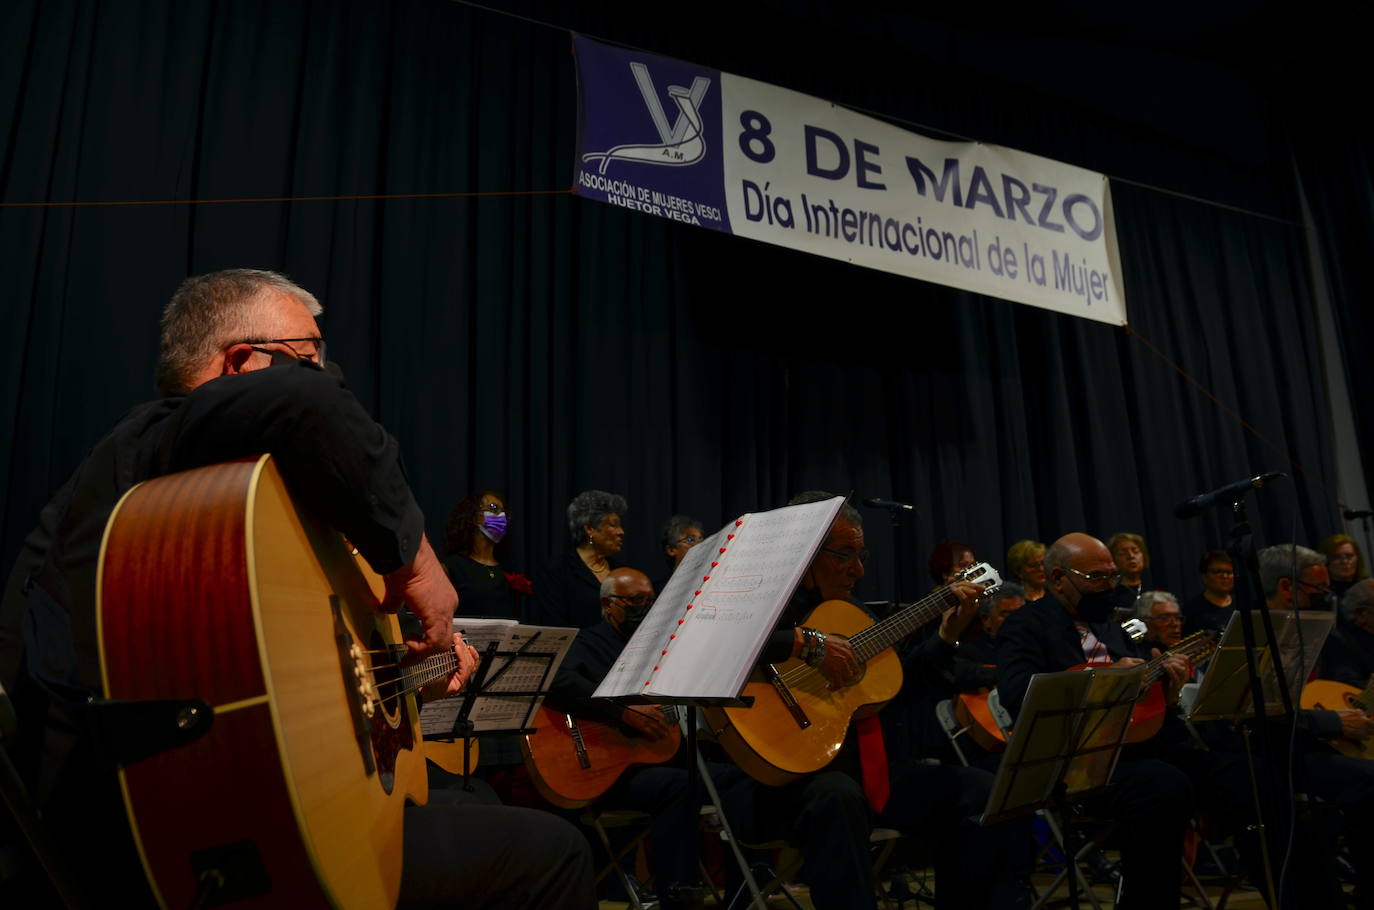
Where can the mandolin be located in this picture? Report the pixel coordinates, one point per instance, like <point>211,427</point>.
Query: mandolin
<point>798,723</point>
<point>1328,695</point>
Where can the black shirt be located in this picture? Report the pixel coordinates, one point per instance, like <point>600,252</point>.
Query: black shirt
<point>482,589</point>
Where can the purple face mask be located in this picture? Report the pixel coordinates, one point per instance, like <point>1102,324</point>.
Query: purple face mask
<point>493,526</point>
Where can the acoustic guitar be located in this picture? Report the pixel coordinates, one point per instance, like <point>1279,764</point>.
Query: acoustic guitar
<point>213,586</point>
<point>1147,717</point>
<point>798,723</point>
<point>1329,695</point>
<point>572,761</point>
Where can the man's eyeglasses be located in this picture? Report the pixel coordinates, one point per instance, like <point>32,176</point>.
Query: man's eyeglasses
<point>1222,572</point>
<point>315,353</point>
<point>1342,557</point>
<point>1318,590</point>
<point>844,558</point>
<point>637,600</point>
<point>1096,578</point>
<point>1171,618</point>
<point>494,508</point>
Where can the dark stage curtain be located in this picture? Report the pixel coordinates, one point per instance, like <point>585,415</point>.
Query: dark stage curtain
<point>543,345</point>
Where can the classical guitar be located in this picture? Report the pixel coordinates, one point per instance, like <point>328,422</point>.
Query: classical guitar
<point>213,586</point>
<point>572,760</point>
<point>1328,695</point>
<point>798,723</point>
<point>985,722</point>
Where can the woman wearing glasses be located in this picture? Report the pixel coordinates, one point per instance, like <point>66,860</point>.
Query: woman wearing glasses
<point>1344,563</point>
<point>478,550</point>
<point>1212,608</point>
<point>678,535</point>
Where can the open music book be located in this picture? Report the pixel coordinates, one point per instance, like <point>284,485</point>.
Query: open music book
<point>714,615</point>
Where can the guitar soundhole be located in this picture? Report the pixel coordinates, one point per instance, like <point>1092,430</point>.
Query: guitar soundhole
<point>389,735</point>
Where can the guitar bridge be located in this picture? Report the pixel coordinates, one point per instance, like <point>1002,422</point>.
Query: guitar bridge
<point>788,699</point>
<point>579,744</point>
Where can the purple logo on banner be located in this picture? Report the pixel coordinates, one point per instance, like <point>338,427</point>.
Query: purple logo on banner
<point>649,134</point>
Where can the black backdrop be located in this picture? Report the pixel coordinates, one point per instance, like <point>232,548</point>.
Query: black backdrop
<point>541,344</point>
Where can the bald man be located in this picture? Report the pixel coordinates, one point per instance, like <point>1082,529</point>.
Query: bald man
<point>660,790</point>
<point>1151,800</point>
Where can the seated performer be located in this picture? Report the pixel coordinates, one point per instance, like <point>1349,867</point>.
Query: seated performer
<point>1151,801</point>
<point>1160,612</point>
<point>660,790</point>
<point>1348,656</point>
<point>829,814</point>
<point>975,663</point>
<point>220,334</point>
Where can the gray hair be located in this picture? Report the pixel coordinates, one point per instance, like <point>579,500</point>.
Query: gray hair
<point>590,507</point>
<point>1006,591</point>
<point>1145,603</point>
<point>210,312</point>
<point>1359,597</point>
<point>1276,564</point>
<point>847,512</point>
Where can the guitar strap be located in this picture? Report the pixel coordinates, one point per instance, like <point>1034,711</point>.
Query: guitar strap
<point>873,762</point>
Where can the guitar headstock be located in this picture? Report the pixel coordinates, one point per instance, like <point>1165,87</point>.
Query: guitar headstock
<point>1135,629</point>
<point>981,574</point>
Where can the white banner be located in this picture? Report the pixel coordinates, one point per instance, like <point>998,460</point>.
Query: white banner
<point>803,173</point>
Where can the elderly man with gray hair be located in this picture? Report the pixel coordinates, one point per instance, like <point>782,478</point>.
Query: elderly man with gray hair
<point>1160,612</point>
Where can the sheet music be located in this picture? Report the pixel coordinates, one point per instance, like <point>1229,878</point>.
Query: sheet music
<point>734,606</point>
<point>1225,691</point>
<point>531,671</point>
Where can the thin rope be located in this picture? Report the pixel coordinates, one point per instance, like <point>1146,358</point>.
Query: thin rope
<point>356,197</point>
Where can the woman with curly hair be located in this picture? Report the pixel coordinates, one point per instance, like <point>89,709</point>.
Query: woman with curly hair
<point>567,591</point>
<point>477,552</point>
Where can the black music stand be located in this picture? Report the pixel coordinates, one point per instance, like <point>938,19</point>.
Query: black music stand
<point>1063,749</point>
<point>510,683</point>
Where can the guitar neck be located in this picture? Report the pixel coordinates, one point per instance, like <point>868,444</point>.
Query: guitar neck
<point>882,635</point>
<point>431,669</point>
<point>1194,647</point>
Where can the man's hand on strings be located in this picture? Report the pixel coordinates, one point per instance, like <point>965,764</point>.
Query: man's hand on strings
<point>1177,670</point>
<point>1355,724</point>
<point>957,619</point>
<point>454,681</point>
<point>423,585</point>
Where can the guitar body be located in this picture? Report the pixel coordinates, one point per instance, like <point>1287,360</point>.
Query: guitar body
<point>1328,695</point>
<point>448,754</point>
<point>972,711</point>
<point>551,755</point>
<point>768,742</point>
<point>213,586</point>
<point>1147,717</point>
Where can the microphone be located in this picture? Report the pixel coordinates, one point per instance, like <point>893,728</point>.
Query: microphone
<point>1352,514</point>
<point>889,505</point>
<point>1231,493</point>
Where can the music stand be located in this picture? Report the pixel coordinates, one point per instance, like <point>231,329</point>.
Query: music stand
<point>1064,747</point>
<point>1226,693</point>
<point>503,695</point>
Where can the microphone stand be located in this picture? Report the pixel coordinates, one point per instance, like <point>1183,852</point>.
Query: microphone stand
<point>1243,554</point>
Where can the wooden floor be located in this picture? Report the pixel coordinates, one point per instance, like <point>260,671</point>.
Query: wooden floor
<point>1245,898</point>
